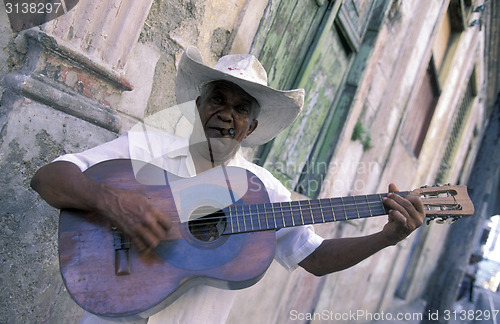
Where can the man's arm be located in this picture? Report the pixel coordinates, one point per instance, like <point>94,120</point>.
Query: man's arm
<point>405,215</point>
<point>63,185</point>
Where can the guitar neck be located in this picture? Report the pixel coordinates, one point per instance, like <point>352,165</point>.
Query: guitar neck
<point>273,216</point>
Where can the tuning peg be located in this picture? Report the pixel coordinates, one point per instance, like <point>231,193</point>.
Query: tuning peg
<point>454,219</point>
<point>430,219</point>
<point>442,219</point>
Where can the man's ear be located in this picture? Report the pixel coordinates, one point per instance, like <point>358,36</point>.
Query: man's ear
<point>198,102</point>
<point>253,126</point>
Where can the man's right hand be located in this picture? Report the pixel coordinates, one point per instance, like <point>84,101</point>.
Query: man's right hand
<point>134,215</point>
<point>63,185</point>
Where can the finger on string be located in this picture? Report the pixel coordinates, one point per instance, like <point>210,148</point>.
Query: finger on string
<point>138,243</point>
<point>417,203</point>
<point>165,223</point>
<point>395,201</point>
<point>157,224</point>
<point>405,203</point>
<point>149,240</point>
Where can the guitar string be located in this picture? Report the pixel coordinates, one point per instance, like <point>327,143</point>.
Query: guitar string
<point>370,207</point>
<point>316,204</point>
<point>348,211</point>
<point>197,228</point>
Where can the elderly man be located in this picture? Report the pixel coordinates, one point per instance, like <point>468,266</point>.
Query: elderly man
<point>234,106</point>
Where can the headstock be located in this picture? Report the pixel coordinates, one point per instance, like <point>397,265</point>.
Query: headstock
<point>445,202</point>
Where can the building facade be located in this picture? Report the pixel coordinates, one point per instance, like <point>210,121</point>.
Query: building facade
<point>395,92</point>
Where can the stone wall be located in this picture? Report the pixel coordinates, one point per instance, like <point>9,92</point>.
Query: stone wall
<point>71,84</point>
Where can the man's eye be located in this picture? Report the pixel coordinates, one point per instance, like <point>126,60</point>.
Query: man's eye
<point>243,109</point>
<point>217,99</point>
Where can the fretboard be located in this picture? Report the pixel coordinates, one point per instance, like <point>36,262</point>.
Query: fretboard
<point>272,216</point>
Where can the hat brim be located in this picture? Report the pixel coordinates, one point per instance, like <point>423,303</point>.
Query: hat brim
<point>278,109</point>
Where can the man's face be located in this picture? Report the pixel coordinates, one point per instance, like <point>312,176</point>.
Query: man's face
<point>223,106</point>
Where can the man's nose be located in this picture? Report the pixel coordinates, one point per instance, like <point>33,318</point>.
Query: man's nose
<point>225,113</point>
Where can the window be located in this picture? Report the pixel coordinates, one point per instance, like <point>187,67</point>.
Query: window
<point>455,135</point>
<point>422,108</point>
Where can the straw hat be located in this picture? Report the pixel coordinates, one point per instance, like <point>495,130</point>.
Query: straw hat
<point>278,109</point>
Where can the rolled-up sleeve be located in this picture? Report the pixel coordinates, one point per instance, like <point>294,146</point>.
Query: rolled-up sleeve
<point>295,244</point>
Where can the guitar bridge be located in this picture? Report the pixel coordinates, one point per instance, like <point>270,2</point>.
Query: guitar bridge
<point>121,246</point>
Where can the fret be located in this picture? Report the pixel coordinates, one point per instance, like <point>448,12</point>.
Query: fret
<point>250,216</point>
<point>237,216</point>
<point>351,207</point>
<point>326,210</point>
<point>311,211</point>
<point>321,209</point>
<point>368,204</point>
<point>274,216</point>
<point>243,216</point>
<point>333,211</point>
<point>282,214</point>
<point>307,210</point>
<point>304,219</point>
<point>296,213</point>
<point>291,213</point>
<point>376,206</point>
<point>356,205</point>
<point>266,216</point>
<point>279,221</point>
<point>338,208</point>
<point>231,218</point>
<point>256,212</point>
<point>237,219</point>
<point>382,203</point>
<point>246,219</point>
<point>301,214</point>
<point>343,206</point>
<point>287,212</point>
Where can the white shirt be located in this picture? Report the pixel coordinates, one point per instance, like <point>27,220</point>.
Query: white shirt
<point>201,304</point>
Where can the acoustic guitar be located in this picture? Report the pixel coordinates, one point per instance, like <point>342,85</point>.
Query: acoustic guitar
<point>223,234</point>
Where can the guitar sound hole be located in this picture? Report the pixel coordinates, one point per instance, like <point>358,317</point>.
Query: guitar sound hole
<point>208,228</point>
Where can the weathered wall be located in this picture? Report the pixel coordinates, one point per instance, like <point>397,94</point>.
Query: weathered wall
<point>32,289</point>
<point>109,74</point>
<point>400,58</point>
<point>391,79</point>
